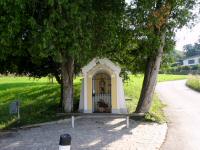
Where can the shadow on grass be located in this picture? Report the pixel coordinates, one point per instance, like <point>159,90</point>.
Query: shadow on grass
<point>39,102</point>
<point>23,93</point>
<point>6,86</point>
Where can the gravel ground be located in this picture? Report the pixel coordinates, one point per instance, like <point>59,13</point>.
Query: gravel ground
<point>89,133</point>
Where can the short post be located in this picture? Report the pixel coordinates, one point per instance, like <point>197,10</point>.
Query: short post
<point>18,114</point>
<point>127,121</point>
<point>14,108</point>
<point>72,121</point>
<point>65,142</point>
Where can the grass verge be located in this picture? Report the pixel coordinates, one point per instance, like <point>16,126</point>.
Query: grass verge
<point>193,82</point>
<point>132,89</point>
<point>170,77</point>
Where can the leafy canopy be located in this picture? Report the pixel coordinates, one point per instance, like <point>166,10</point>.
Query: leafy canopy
<point>148,21</point>
<point>192,50</point>
<point>35,33</point>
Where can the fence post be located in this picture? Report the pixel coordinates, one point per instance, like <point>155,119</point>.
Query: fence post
<point>72,121</point>
<point>127,121</point>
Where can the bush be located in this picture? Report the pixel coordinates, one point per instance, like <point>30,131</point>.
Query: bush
<point>184,70</point>
<point>194,82</point>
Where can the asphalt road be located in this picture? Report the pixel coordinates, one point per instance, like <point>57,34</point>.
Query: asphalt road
<point>183,113</point>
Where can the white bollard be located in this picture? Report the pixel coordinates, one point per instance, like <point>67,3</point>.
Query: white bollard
<point>72,121</point>
<point>127,122</point>
<point>65,142</point>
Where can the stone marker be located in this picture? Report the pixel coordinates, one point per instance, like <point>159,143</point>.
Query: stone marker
<point>14,108</point>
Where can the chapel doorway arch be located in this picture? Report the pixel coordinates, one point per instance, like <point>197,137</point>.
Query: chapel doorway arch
<point>101,93</point>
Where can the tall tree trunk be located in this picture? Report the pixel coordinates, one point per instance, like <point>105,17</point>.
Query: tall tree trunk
<point>67,71</point>
<point>59,80</point>
<point>150,79</point>
<point>61,96</point>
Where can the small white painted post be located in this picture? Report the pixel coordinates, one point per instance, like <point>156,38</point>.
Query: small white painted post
<point>127,121</point>
<point>65,142</point>
<point>18,114</point>
<point>72,121</point>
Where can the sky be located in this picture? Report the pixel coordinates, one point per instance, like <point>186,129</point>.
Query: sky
<point>185,35</point>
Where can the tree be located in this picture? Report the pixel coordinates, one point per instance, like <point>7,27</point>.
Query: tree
<point>192,50</point>
<point>47,29</point>
<point>107,26</point>
<point>153,24</point>
<point>52,37</point>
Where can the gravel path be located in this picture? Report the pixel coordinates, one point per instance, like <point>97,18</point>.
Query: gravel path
<point>89,133</point>
<point>183,110</point>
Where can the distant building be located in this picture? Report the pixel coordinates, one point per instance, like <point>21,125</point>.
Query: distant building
<point>177,63</point>
<point>194,60</point>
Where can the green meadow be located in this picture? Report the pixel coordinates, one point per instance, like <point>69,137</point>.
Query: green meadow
<point>39,98</point>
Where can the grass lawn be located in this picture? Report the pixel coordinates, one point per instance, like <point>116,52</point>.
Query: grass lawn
<point>194,83</point>
<point>169,77</point>
<point>39,98</point>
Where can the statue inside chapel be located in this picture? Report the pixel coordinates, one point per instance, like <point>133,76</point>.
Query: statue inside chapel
<point>102,84</point>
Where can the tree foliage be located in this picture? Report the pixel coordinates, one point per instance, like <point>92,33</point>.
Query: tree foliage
<point>153,26</point>
<point>57,37</point>
<point>39,29</point>
<point>192,50</point>
<point>148,20</point>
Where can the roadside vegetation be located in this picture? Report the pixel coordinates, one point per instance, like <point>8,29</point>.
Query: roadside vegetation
<point>194,82</point>
<point>194,69</point>
<point>132,89</point>
<point>171,77</point>
<point>39,99</point>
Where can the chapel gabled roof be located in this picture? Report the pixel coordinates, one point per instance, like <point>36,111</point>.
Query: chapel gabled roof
<point>103,61</point>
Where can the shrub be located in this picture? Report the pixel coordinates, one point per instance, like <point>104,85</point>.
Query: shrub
<point>184,70</point>
<point>194,82</point>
